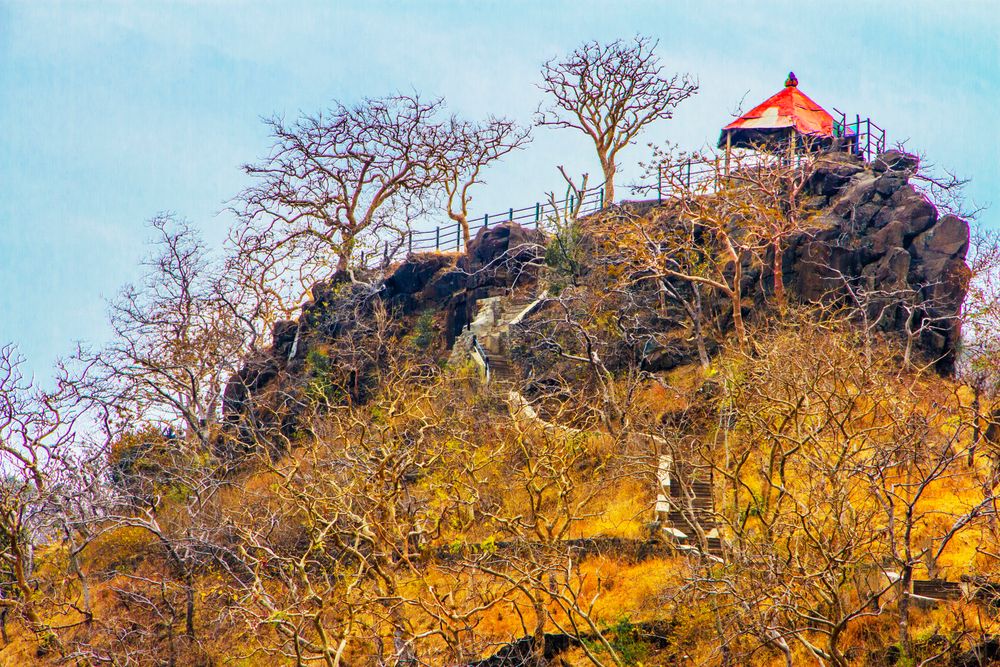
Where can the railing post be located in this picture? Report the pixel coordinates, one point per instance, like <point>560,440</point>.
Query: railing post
<point>857,130</point>
<point>571,203</point>
<point>869,123</point>
<point>689,173</point>
<point>601,205</point>
<point>659,185</point>
<point>437,238</point>
<point>510,215</point>
<point>486,220</point>
<point>538,213</point>
<point>409,245</point>
<point>458,236</point>
<point>729,152</point>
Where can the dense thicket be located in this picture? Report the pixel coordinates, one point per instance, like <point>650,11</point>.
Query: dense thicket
<point>754,422</point>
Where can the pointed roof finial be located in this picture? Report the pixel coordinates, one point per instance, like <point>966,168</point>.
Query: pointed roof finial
<point>791,81</point>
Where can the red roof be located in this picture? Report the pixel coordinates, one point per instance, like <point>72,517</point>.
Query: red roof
<point>788,108</point>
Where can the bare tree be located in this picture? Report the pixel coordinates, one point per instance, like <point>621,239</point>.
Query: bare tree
<point>470,148</point>
<point>917,482</point>
<point>339,553</point>
<point>610,92</point>
<point>707,239</point>
<point>35,437</point>
<point>333,182</point>
<point>176,340</point>
<point>979,357</point>
<point>787,455</point>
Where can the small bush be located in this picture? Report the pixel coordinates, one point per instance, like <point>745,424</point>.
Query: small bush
<point>424,331</point>
<point>626,641</point>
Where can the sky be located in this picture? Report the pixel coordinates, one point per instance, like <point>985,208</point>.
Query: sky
<point>112,112</point>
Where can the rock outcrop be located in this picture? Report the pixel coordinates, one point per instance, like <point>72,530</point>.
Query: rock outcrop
<point>444,284</point>
<point>877,233</point>
<point>871,231</point>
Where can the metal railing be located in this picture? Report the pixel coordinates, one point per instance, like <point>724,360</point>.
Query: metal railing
<point>477,348</point>
<point>706,175</point>
<point>697,176</point>
<point>450,238</point>
<point>861,137</point>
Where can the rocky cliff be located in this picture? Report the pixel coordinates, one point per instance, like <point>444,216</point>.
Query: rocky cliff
<point>878,233</point>
<point>872,232</point>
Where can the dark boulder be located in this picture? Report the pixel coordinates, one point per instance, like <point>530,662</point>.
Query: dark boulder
<point>858,192</point>
<point>881,233</point>
<point>911,207</point>
<point>948,238</point>
<point>889,273</point>
<point>249,380</point>
<point>413,275</point>
<point>986,652</point>
<point>446,284</point>
<point>887,184</point>
<point>820,267</point>
<point>833,172</point>
<point>506,242</point>
<point>283,335</point>
<point>893,160</point>
<point>889,237</point>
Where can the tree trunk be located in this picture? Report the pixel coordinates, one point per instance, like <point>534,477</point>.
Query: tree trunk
<point>343,259</point>
<point>466,234</point>
<point>779,275</point>
<point>736,300</point>
<point>402,641</point>
<point>905,581</point>
<point>976,433</point>
<point>48,639</point>
<point>345,250</point>
<point>189,606</point>
<point>538,639</point>
<point>610,168</point>
<point>736,292</point>
<point>699,334</point>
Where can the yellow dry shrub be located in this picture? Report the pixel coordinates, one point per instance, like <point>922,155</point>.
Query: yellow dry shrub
<point>629,589</point>
<point>118,548</point>
<point>623,512</point>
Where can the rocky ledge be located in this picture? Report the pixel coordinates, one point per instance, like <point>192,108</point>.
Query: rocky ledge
<point>876,232</point>
<point>872,232</point>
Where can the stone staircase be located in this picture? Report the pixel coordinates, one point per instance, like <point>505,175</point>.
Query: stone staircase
<point>501,370</point>
<point>489,329</point>
<point>685,506</point>
<point>486,341</point>
<point>698,508</point>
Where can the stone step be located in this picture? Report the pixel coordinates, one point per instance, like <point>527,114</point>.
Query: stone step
<point>520,303</point>
<point>501,368</point>
<point>696,490</point>
<point>683,497</point>
<point>701,517</point>
<point>937,589</point>
<point>713,544</point>
<point>694,503</point>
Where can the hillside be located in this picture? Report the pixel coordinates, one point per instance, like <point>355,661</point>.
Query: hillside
<point>601,441</point>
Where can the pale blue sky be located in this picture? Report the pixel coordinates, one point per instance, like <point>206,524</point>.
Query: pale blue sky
<point>112,112</point>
